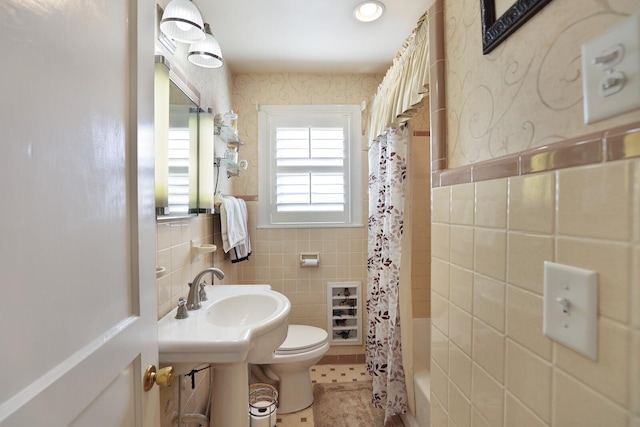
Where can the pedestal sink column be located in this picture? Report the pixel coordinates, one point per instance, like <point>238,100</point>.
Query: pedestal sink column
<point>230,395</point>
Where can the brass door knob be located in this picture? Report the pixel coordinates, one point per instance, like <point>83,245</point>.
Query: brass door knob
<point>163,377</point>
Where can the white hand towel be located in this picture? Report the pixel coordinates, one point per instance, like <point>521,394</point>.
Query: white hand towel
<point>231,224</point>
<point>242,251</point>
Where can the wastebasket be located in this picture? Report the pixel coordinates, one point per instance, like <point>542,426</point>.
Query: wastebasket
<point>263,402</point>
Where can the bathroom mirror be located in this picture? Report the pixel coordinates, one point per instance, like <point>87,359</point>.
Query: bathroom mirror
<point>183,152</point>
<point>176,128</point>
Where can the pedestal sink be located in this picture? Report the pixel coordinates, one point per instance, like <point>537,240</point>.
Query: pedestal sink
<point>237,325</point>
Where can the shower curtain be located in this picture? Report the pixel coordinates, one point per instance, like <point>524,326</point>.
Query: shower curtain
<point>387,174</point>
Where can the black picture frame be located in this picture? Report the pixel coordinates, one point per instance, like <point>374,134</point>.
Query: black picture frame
<point>495,30</point>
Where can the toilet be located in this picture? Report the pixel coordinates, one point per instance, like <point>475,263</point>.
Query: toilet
<point>289,365</point>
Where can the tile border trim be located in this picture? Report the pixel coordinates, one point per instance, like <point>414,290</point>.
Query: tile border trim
<point>613,144</point>
<point>609,145</point>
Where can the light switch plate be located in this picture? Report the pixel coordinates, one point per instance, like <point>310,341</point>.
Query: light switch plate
<point>611,71</point>
<point>571,307</point>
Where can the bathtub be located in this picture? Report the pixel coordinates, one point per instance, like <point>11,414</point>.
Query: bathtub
<point>421,377</point>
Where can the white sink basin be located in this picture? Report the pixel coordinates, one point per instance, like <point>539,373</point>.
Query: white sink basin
<point>237,324</point>
<point>242,310</point>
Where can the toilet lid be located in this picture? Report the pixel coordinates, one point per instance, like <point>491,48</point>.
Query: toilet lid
<point>303,338</point>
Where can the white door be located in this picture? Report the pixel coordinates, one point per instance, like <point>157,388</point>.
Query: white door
<point>77,242</point>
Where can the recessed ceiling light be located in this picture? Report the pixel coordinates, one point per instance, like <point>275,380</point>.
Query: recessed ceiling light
<point>368,11</point>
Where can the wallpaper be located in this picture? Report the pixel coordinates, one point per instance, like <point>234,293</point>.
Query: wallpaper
<point>528,91</point>
<point>252,90</point>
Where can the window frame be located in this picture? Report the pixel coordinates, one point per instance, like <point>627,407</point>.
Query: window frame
<point>268,118</point>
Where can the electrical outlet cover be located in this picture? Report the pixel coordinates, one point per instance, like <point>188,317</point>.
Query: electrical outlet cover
<point>571,307</point>
<point>611,84</point>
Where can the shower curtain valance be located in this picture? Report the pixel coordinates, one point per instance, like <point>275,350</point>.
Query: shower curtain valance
<point>405,84</point>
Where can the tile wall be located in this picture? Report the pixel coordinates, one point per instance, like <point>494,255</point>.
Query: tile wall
<point>573,198</point>
<point>491,364</point>
<point>275,261</point>
<point>173,241</point>
<point>420,175</point>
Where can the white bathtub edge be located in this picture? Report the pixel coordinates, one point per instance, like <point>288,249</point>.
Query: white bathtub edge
<point>421,378</point>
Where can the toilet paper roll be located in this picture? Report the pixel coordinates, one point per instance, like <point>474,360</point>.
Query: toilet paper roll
<point>309,263</point>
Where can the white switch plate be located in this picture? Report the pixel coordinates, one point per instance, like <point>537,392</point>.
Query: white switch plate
<point>571,307</point>
<point>612,86</point>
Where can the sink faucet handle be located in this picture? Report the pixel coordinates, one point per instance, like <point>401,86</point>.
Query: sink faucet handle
<point>182,309</point>
<point>202,292</point>
<point>193,300</point>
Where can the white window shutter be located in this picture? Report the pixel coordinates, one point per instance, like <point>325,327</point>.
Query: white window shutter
<point>309,155</point>
<point>179,170</point>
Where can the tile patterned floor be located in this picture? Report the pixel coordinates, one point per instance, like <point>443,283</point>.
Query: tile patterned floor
<point>324,374</point>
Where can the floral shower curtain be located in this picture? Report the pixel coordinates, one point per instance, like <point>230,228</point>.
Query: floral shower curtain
<point>387,174</point>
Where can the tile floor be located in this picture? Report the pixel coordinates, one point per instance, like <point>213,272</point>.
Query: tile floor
<point>323,374</point>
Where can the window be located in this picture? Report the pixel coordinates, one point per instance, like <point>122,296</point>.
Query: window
<point>310,169</point>
<point>179,171</point>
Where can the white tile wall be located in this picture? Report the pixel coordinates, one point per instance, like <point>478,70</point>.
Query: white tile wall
<point>508,371</point>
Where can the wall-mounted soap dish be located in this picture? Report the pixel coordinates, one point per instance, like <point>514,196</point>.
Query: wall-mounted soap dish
<point>202,248</point>
<point>160,271</point>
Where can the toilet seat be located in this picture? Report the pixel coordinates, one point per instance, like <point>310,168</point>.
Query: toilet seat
<point>302,338</point>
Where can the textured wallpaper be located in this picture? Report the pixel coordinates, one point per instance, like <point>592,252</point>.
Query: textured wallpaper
<point>528,91</point>
<point>251,90</point>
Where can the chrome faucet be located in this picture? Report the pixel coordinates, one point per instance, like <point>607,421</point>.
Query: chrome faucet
<point>193,300</point>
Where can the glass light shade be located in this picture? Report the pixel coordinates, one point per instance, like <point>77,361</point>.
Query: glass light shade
<point>182,21</point>
<point>368,11</point>
<point>206,53</point>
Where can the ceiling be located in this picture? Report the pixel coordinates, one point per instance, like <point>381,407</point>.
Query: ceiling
<point>308,36</point>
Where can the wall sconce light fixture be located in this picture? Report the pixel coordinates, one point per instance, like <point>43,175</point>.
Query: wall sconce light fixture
<point>161,123</point>
<point>182,21</point>
<point>206,53</point>
<point>205,158</point>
